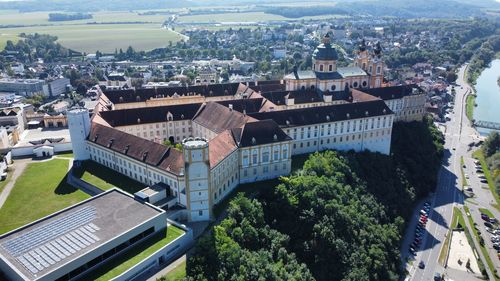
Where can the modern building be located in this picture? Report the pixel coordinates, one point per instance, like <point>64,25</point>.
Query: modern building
<point>69,244</point>
<point>30,87</point>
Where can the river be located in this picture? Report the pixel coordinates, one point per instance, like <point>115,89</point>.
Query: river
<point>488,95</point>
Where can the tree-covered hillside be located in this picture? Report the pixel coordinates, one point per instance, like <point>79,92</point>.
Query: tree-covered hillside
<point>340,218</point>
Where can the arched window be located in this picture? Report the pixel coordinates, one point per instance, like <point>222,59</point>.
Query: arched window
<point>303,87</point>
<point>333,87</point>
<point>330,67</point>
<point>378,69</point>
<point>355,85</point>
<point>312,87</point>
<point>364,83</point>
<point>364,65</point>
<point>320,67</point>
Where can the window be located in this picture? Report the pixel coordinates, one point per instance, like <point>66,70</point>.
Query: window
<point>265,157</point>
<point>330,67</point>
<point>200,213</point>
<point>245,160</point>
<point>333,87</point>
<point>276,155</point>
<point>285,152</point>
<point>254,171</point>
<point>355,85</point>
<point>265,169</point>
<point>378,69</point>
<point>254,158</point>
<point>364,83</point>
<point>320,67</point>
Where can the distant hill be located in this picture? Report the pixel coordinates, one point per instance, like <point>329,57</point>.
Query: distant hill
<point>414,8</point>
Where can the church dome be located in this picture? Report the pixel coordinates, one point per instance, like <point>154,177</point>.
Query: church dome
<point>325,51</point>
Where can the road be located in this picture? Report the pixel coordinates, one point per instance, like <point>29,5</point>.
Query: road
<point>448,194</point>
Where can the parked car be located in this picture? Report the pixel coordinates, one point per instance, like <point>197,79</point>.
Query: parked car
<point>487,224</point>
<point>479,171</point>
<point>493,220</point>
<point>485,217</point>
<point>438,277</point>
<point>484,181</point>
<point>469,189</point>
<point>422,212</point>
<point>421,265</point>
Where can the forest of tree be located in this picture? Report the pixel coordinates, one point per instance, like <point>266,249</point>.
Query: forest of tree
<point>68,17</point>
<point>491,151</point>
<point>339,218</point>
<point>37,46</point>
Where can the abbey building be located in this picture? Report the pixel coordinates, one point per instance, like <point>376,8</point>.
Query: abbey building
<point>239,133</point>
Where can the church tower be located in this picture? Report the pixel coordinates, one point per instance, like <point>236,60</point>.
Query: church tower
<point>376,67</point>
<point>371,63</point>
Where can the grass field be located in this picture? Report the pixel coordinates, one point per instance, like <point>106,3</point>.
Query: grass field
<point>470,102</point>
<point>39,191</point>
<point>105,178</point>
<point>244,17</point>
<point>136,254</point>
<point>102,37</point>
<point>178,273</point>
<point>42,18</point>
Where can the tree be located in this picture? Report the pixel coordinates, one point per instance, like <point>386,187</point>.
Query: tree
<point>492,144</point>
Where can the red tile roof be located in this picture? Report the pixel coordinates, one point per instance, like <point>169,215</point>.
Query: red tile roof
<point>220,147</point>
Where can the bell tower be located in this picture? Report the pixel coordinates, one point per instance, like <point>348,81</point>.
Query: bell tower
<point>362,56</point>
<point>376,67</point>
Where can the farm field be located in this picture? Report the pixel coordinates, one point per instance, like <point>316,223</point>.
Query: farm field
<point>42,18</point>
<point>102,37</point>
<point>244,17</point>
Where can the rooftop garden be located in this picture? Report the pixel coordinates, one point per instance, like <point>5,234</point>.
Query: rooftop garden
<point>105,178</point>
<point>135,254</point>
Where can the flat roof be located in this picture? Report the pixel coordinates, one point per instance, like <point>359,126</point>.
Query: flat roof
<point>45,245</point>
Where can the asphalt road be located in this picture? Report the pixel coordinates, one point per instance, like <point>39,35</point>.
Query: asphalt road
<point>448,194</point>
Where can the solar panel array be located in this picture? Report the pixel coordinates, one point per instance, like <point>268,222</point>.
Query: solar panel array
<point>50,243</point>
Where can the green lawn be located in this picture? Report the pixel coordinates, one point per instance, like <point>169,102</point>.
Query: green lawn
<point>105,178</point>
<point>478,154</point>
<point>66,154</point>
<point>102,37</point>
<point>486,212</point>
<point>39,191</point>
<point>470,102</point>
<point>136,254</point>
<point>178,273</point>
<point>483,249</point>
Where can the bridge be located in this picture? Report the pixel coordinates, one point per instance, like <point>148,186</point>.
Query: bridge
<point>487,125</point>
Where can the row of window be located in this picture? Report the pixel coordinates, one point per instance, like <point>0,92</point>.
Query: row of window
<point>341,139</point>
<point>265,169</point>
<point>265,156</point>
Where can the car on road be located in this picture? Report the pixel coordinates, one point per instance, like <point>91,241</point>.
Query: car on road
<point>421,265</point>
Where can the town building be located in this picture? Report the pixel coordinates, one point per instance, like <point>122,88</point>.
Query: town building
<point>30,87</point>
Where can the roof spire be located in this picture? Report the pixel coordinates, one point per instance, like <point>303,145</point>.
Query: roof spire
<point>326,39</point>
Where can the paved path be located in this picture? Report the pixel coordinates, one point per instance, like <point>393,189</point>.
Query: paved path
<point>18,167</point>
